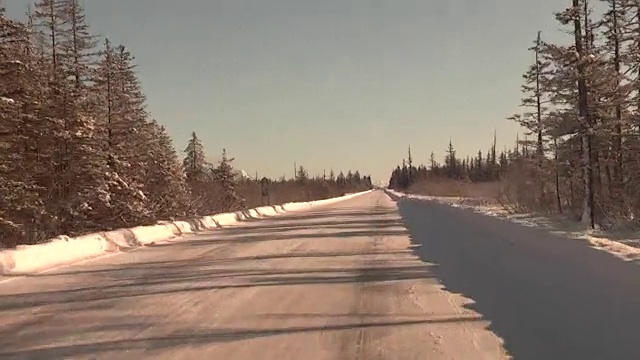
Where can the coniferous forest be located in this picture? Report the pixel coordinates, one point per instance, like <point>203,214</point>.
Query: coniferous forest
<point>79,152</point>
<point>580,153</point>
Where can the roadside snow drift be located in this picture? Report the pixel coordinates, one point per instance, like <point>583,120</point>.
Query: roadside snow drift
<point>63,250</point>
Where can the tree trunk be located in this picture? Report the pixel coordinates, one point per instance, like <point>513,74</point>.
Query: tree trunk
<point>557,171</point>
<point>616,184</point>
<point>585,119</point>
<point>540,149</point>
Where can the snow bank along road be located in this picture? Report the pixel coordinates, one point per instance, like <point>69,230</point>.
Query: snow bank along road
<point>364,278</point>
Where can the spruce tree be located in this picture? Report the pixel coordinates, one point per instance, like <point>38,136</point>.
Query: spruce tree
<point>21,207</point>
<point>225,179</point>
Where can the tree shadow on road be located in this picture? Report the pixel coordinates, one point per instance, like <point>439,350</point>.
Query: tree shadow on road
<point>112,300</point>
<point>312,233</point>
<point>98,291</point>
<point>548,297</point>
<point>164,281</point>
<point>204,337</point>
<point>284,226</point>
<point>343,213</point>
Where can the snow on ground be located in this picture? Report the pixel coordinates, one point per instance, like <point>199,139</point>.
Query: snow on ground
<point>7,100</point>
<point>338,282</point>
<point>624,244</point>
<point>63,250</point>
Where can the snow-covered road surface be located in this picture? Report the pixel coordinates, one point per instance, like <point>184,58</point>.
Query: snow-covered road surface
<point>357,279</point>
<point>336,282</point>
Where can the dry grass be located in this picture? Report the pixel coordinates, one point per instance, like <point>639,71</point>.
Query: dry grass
<point>488,191</point>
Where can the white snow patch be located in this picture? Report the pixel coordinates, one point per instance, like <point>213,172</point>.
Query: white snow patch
<point>7,100</point>
<point>31,258</point>
<point>624,245</point>
<point>62,250</point>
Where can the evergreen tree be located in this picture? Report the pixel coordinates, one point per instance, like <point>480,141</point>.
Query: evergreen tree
<point>341,180</point>
<point>77,172</point>
<point>224,177</point>
<point>195,164</point>
<point>119,104</point>
<point>533,121</point>
<point>573,65</point>
<point>302,176</point>
<point>165,182</point>
<point>451,162</point>
<point>21,207</point>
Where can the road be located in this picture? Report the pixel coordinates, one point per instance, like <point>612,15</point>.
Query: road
<point>548,297</point>
<point>366,278</point>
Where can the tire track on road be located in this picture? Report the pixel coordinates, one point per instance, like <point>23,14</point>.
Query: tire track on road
<point>367,294</point>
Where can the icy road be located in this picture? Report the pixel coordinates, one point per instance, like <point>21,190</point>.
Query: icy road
<point>361,279</point>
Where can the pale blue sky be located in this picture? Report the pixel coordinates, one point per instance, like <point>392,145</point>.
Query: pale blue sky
<point>329,84</point>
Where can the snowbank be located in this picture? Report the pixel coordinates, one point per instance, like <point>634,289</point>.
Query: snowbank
<point>62,250</point>
<point>7,100</point>
<point>615,244</point>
